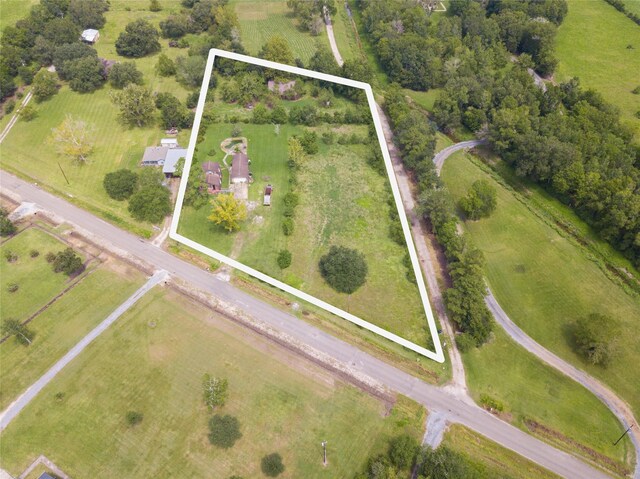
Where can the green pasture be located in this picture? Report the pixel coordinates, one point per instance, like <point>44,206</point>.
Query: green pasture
<point>61,326</point>
<point>13,10</point>
<point>152,361</point>
<point>37,283</point>
<point>601,46</point>
<point>260,20</point>
<point>545,282</point>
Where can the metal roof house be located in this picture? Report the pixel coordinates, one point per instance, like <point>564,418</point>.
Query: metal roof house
<point>164,156</point>
<point>90,36</point>
<point>240,168</point>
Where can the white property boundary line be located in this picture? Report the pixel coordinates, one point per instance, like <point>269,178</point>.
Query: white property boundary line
<point>438,355</point>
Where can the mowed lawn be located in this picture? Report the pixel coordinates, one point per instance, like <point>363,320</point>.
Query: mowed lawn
<point>345,35</point>
<point>37,283</point>
<point>28,149</point>
<point>261,20</point>
<point>490,460</point>
<point>152,361</point>
<point>13,10</point>
<point>61,326</point>
<point>592,44</point>
<point>545,283</point>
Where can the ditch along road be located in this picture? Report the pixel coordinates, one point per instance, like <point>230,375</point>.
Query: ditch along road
<point>351,359</point>
<point>458,386</point>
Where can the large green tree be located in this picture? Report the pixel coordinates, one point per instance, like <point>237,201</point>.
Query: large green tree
<point>481,200</point>
<point>150,203</point>
<point>139,39</point>
<point>85,74</point>
<point>122,74</point>
<point>596,337</point>
<point>120,184</point>
<point>224,431</point>
<point>44,86</point>
<point>344,269</point>
<point>88,13</point>
<point>277,49</point>
<point>13,327</point>
<point>136,105</point>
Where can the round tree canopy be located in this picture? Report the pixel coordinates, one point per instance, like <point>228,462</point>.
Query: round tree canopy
<point>344,269</point>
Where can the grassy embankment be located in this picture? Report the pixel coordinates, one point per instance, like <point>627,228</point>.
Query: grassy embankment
<point>28,153</point>
<point>593,44</point>
<point>152,361</point>
<point>533,271</point>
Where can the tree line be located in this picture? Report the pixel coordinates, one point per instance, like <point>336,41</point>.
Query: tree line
<point>566,138</point>
<point>415,137</point>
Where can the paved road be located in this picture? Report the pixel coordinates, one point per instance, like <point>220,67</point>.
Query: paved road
<point>457,409</point>
<point>19,404</point>
<point>449,150</point>
<point>332,38</point>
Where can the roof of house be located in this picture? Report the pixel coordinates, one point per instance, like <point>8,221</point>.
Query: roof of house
<point>211,166</point>
<point>90,35</point>
<point>155,154</point>
<point>170,161</point>
<point>240,166</point>
<point>45,475</point>
<point>213,179</point>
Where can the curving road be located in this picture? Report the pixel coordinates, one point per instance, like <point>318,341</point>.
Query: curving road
<point>457,409</point>
<point>617,406</point>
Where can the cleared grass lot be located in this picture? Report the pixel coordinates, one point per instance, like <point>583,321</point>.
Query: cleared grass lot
<point>13,10</point>
<point>593,44</point>
<point>61,326</point>
<point>34,276</point>
<point>152,361</point>
<point>260,20</point>
<point>545,283</point>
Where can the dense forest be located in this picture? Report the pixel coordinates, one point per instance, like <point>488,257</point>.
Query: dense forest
<point>566,138</point>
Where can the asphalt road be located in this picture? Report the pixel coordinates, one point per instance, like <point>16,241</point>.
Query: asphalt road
<point>458,410</point>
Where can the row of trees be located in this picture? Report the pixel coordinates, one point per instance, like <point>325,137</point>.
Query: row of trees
<point>465,299</point>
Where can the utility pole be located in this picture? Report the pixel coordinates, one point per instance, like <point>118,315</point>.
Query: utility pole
<point>324,447</point>
<point>623,435</point>
<point>65,176</point>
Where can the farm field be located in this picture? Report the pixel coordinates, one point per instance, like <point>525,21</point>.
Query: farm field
<point>260,20</point>
<point>523,254</point>
<point>62,325</point>
<point>592,44</point>
<point>29,153</point>
<point>490,460</point>
<point>152,361</point>
<point>35,278</point>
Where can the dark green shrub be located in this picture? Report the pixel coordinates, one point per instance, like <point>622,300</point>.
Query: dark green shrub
<point>284,259</point>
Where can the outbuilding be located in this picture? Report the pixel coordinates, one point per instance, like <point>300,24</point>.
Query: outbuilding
<point>90,36</point>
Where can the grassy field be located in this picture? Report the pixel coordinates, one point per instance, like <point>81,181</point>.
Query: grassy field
<point>345,34</point>
<point>152,361</point>
<point>260,20</point>
<point>633,6</point>
<point>592,44</point>
<point>490,459</point>
<point>34,276</point>
<point>61,326</point>
<point>13,10</point>
<point>336,176</point>
<point>523,254</point>
<point>27,151</point>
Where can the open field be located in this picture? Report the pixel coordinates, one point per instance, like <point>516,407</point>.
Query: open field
<point>592,44</point>
<point>260,20</point>
<point>490,459</point>
<point>345,34</point>
<point>152,361</point>
<point>523,254</point>
<point>27,151</point>
<point>62,325</point>
<point>13,10</point>
<point>34,276</point>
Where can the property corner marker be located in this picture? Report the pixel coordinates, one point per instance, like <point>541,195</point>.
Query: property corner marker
<point>436,355</point>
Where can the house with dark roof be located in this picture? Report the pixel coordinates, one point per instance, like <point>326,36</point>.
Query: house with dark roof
<point>46,475</point>
<point>240,168</point>
<point>212,176</point>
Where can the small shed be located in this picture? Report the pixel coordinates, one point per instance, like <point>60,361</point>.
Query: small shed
<point>169,142</point>
<point>267,196</point>
<point>90,36</point>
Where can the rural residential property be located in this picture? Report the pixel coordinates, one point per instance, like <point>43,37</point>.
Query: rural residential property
<point>382,239</point>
